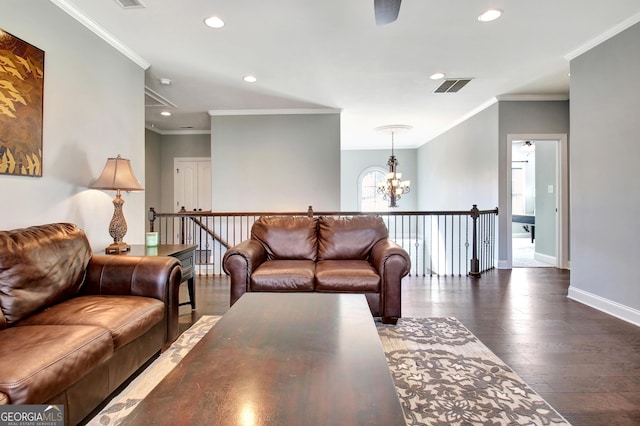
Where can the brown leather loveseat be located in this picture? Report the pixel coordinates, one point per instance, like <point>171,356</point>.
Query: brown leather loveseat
<point>75,326</point>
<point>325,254</point>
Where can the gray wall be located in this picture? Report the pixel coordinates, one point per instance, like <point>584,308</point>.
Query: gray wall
<point>93,109</point>
<point>460,167</point>
<point>468,164</point>
<point>276,162</point>
<point>545,203</point>
<point>522,117</point>
<point>605,192</point>
<point>161,149</point>
<point>153,175</point>
<point>354,162</point>
<point>170,147</point>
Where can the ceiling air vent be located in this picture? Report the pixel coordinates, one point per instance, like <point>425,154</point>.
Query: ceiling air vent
<point>130,4</point>
<point>452,85</point>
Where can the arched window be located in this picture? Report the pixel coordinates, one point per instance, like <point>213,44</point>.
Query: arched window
<point>370,200</point>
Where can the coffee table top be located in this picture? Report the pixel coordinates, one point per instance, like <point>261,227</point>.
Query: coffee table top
<point>281,359</point>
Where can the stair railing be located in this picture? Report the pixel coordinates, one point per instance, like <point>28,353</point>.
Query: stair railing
<point>439,243</point>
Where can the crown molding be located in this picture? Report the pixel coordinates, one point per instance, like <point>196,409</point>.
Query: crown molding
<point>223,112</point>
<point>537,97</point>
<point>176,132</point>
<point>632,20</point>
<point>79,16</point>
<point>164,102</point>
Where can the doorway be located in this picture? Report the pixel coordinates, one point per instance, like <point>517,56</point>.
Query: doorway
<point>192,183</point>
<point>526,176</point>
<point>192,190</point>
<point>537,211</point>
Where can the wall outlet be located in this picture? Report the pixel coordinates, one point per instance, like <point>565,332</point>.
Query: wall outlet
<point>550,189</point>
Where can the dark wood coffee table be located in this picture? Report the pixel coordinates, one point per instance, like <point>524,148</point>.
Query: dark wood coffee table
<point>281,359</point>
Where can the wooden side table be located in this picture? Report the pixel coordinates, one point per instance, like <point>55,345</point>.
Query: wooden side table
<point>185,253</point>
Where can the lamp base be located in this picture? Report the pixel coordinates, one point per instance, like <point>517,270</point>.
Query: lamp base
<point>118,247</point>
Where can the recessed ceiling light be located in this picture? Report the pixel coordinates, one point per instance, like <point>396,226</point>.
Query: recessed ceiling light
<point>437,76</point>
<point>249,79</point>
<point>165,113</point>
<point>214,22</point>
<point>490,15</point>
<point>165,81</point>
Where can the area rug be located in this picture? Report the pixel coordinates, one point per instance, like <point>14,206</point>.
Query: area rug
<point>122,404</point>
<point>443,375</point>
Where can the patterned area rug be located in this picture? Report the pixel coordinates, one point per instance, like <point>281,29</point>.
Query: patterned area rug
<point>443,374</point>
<point>122,404</point>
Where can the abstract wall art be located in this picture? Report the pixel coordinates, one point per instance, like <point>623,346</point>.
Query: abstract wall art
<point>21,101</point>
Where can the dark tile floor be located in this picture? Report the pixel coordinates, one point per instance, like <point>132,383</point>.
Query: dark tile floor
<point>585,363</point>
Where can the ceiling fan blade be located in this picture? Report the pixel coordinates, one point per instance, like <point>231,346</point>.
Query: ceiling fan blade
<point>386,11</point>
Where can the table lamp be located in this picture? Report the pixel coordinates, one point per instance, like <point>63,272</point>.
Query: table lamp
<point>117,175</point>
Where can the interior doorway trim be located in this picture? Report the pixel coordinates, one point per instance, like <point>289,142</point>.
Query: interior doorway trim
<point>562,172</point>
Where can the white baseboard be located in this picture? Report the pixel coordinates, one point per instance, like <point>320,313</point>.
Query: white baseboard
<point>605,305</point>
<point>544,258</point>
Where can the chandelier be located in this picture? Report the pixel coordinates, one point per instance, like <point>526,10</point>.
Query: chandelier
<point>393,187</point>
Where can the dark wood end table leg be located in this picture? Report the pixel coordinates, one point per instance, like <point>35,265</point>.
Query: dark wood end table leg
<point>192,293</point>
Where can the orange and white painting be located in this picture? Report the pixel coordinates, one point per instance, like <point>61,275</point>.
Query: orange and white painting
<point>21,97</point>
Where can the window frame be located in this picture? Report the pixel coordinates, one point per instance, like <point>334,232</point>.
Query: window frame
<point>361,177</point>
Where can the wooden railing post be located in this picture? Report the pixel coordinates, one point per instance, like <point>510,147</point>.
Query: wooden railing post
<point>310,211</point>
<point>152,219</point>
<point>475,262</point>
<point>183,226</point>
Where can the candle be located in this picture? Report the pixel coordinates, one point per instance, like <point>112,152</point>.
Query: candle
<point>152,239</point>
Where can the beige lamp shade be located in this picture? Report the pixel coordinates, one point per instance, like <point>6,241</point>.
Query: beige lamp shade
<point>117,175</point>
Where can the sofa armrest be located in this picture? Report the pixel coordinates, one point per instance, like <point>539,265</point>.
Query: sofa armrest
<point>383,250</point>
<point>239,262</point>
<point>158,277</point>
<point>392,263</point>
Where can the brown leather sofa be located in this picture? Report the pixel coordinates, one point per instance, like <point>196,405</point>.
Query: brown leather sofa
<point>325,254</point>
<point>75,326</point>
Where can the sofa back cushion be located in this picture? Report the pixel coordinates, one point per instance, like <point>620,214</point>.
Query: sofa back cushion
<point>40,266</point>
<point>349,238</point>
<point>287,237</point>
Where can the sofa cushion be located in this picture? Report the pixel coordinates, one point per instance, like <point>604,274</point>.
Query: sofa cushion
<point>126,317</point>
<point>287,237</point>
<point>40,266</point>
<point>37,361</point>
<point>284,275</point>
<point>349,238</point>
<point>346,276</point>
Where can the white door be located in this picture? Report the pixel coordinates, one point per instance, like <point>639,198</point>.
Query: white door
<point>192,183</point>
<point>192,190</point>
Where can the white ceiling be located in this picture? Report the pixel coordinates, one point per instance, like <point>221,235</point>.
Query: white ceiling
<point>329,55</point>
